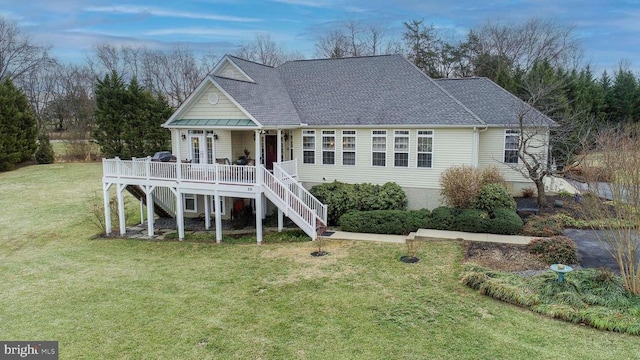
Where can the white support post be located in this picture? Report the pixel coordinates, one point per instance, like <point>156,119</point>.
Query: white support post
<point>207,212</point>
<point>180,215</point>
<point>218,211</point>
<point>121,218</point>
<point>280,220</point>
<point>150,206</point>
<point>259,218</point>
<point>258,151</point>
<point>107,208</point>
<point>141,211</point>
<point>279,144</point>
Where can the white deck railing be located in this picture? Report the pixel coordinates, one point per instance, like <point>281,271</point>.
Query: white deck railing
<point>153,170</point>
<point>282,174</point>
<point>289,167</point>
<point>165,197</point>
<point>302,215</point>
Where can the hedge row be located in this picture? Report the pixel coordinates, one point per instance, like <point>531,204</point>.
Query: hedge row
<point>501,221</point>
<point>341,198</point>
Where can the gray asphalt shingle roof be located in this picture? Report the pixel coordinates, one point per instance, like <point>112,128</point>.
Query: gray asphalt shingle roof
<point>375,90</point>
<point>492,103</point>
<point>267,100</point>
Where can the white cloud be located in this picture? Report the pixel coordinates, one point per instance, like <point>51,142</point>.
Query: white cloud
<point>141,10</point>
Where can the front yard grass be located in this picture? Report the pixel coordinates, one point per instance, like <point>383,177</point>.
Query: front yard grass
<point>133,299</point>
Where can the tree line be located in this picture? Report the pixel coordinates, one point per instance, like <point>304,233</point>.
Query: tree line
<point>538,60</point>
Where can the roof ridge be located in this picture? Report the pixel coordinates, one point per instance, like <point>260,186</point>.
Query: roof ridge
<point>342,58</point>
<point>250,61</point>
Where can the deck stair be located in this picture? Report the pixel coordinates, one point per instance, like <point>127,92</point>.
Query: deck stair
<point>160,208</point>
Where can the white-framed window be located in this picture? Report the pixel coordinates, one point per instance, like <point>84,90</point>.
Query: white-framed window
<point>511,144</point>
<point>308,146</point>
<point>401,148</point>
<point>425,149</point>
<point>379,148</point>
<point>348,147</point>
<point>328,147</point>
<point>190,203</point>
<point>223,207</point>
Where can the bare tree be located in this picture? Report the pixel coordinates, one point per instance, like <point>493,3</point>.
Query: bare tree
<point>615,176</point>
<point>18,54</point>
<point>524,44</point>
<point>39,85</point>
<point>172,73</point>
<point>352,39</point>
<point>264,50</point>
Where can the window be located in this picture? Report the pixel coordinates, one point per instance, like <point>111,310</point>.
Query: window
<point>222,205</point>
<point>348,147</point>
<point>425,149</point>
<point>379,148</point>
<point>401,148</point>
<point>190,203</point>
<point>511,144</point>
<point>328,147</point>
<point>308,146</point>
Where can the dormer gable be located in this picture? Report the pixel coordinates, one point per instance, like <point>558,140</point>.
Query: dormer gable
<point>227,68</point>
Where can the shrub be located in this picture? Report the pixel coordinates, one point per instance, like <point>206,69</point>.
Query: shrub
<point>341,198</point>
<point>460,186</point>
<point>470,220</point>
<point>397,222</point>
<point>494,196</point>
<point>442,218</point>
<point>504,221</point>
<point>528,192</point>
<point>491,175</point>
<point>543,225</point>
<point>555,250</point>
<point>44,153</point>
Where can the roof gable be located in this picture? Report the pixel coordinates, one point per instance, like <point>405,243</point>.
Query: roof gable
<point>208,104</point>
<point>227,68</point>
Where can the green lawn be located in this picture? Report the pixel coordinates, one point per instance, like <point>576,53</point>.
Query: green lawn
<point>130,299</point>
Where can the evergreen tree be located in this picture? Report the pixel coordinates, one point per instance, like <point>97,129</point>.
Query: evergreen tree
<point>129,119</point>
<point>18,126</point>
<point>624,94</point>
<point>111,97</point>
<point>44,154</point>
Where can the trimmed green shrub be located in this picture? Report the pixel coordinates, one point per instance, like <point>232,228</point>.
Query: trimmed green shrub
<point>555,250</point>
<point>543,225</point>
<point>442,218</point>
<point>470,220</point>
<point>504,221</point>
<point>44,153</point>
<point>341,198</point>
<point>397,222</point>
<point>492,196</point>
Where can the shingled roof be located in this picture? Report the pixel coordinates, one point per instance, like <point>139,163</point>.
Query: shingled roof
<point>384,90</point>
<point>492,103</point>
<point>266,99</point>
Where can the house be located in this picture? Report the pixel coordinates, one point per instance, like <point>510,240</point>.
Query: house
<point>260,136</point>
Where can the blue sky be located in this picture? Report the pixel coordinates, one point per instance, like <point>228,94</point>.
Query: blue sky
<point>608,29</point>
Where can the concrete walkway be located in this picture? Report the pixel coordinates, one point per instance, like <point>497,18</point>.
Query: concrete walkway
<point>428,234</point>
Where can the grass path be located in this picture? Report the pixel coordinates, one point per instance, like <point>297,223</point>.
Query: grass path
<point>128,299</point>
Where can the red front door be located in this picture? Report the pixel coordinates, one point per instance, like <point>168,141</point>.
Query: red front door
<point>271,150</point>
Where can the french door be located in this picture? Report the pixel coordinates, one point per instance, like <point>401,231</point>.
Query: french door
<point>202,147</point>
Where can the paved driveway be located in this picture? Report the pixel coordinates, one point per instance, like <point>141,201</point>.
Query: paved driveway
<point>591,251</point>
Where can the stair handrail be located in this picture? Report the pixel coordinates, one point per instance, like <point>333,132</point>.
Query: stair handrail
<point>313,203</point>
<point>301,209</point>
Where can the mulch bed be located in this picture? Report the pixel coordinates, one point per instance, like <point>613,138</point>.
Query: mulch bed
<point>501,257</point>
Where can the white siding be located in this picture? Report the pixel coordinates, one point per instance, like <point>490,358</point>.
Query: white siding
<point>222,144</point>
<point>450,147</point>
<point>200,108</point>
<point>492,153</point>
